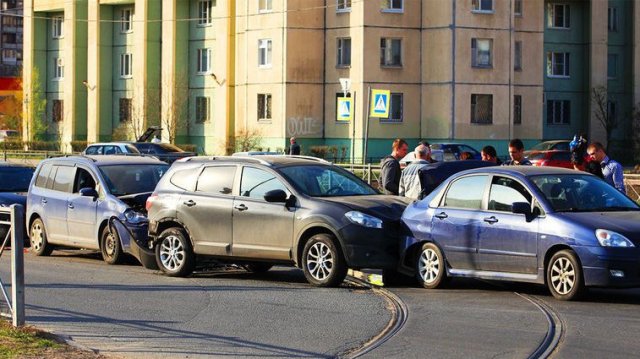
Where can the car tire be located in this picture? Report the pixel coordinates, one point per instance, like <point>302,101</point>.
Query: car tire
<point>430,268</point>
<point>174,254</point>
<point>322,263</point>
<point>110,247</point>
<point>38,235</point>
<point>257,267</point>
<point>564,276</point>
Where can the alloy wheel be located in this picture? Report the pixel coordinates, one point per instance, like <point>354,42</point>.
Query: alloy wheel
<point>563,275</point>
<point>172,253</point>
<point>319,261</point>
<point>37,236</point>
<point>429,266</point>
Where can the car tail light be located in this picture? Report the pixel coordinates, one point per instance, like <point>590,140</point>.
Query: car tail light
<point>150,201</point>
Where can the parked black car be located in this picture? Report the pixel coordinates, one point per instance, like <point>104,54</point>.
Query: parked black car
<point>432,175</point>
<point>14,184</point>
<point>262,210</point>
<point>165,152</point>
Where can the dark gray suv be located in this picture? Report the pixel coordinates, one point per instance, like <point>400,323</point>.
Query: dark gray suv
<point>262,210</point>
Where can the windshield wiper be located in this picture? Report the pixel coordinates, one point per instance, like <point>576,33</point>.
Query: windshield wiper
<point>616,209</point>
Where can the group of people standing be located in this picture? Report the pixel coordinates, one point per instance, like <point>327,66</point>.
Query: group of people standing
<point>406,182</point>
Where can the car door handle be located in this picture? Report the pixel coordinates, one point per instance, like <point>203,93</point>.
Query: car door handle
<point>441,215</point>
<point>190,203</point>
<point>70,205</point>
<point>491,220</point>
<point>241,207</point>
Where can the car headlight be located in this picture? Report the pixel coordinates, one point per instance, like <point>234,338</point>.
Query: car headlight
<point>612,239</point>
<point>134,217</point>
<point>364,220</point>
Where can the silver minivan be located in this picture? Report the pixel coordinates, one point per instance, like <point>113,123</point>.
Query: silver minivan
<point>93,202</point>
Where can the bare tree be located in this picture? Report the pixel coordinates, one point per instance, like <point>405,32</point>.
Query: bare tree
<point>608,120</point>
<point>247,140</point>
<point>175,117</point>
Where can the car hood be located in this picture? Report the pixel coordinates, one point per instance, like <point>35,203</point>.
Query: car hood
<point>136,201</point>
<point>381,206</point>
<point>625,223</point>
<point>9,198</point>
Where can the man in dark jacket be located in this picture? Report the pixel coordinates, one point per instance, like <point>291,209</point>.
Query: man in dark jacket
<point>390,168</point>
<point>295,147</point>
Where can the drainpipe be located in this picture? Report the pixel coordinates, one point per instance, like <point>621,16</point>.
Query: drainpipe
<point>231,79</point>
<point>452,131</point>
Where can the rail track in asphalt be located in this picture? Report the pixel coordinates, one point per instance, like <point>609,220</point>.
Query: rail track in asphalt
<point>555,330</point>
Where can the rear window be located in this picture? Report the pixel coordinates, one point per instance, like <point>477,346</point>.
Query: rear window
<point>184,179</point>
<point>217,180</point>
<point>63,179</point>
<point>466,192</point>
<point>536,156</point>
<point>93,150</point>
<point>43,175</point>
<point>561,156</point>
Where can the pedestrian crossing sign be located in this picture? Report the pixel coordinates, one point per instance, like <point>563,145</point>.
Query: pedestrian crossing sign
<point>380,103</point>
<point>345,109</point>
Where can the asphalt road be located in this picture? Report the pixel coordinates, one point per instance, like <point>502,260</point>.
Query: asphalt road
<point>131,312</point>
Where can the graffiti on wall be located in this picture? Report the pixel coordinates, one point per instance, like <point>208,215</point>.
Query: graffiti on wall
<point>304,127</point>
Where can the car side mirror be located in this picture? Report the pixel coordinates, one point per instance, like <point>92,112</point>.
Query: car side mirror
<point>276,196</point>
<point>88,192</point>
<point>521,208</point>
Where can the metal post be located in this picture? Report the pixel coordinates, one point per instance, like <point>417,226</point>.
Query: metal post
<point>366,126</point>
<point>17,264</point>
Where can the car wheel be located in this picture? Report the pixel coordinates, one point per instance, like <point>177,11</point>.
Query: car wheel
<point>110,247</point>
<point>174,254</point>
<point>323,264</point>
<point>564,276</point>
<point>430,270</point>
<point>257,267</point>
<point>38,236</point>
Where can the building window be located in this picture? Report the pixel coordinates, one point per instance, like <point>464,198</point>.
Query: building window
<point>481,52</point>
<point>482,5</point>
<point>558,16</point>
<point>204,12</point>
<point>395,108</point>
<point>393,6</point>
<point>344,52</point>
<point>265,5</point>
<point>125,109</point>
<point>57,27</point>
<point>202,109</point>
<point>264,107</point>
<point>126,20</point>
<point>517,109</point>
<point>612,111</point>
<point>343,5</point>
<point>126,66</point>
<point>517,7</point>
<point>558,112</point>
<point>390,52</point>
<point>204,61</point>
<point>517,57</point>
<point>558,64</point>
<point>57,110</point>
<point>482,109</point>
<point>264,52</point>
<point>612,24</point>
<point>58,68</point>
<point>612,66</point>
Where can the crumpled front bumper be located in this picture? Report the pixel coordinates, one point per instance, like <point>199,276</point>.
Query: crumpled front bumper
<point>134,239</point>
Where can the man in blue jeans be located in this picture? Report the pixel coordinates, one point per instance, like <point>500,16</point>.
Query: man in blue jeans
<point>611,170</point>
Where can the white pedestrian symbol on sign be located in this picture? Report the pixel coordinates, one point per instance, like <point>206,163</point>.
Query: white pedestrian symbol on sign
<point>381,104</point>
<point>344,109</point>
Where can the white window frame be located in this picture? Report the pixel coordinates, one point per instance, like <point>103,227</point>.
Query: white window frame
<point>126,65</point>
<point>565,106</point>
<point>517,56</point>
<point>612,19</point>
<point>340,52</point>
<point>390,119</point>
<point>386,52</point>
<point>57,27</point>
<point>126,21</point>
<point>203,65</point>
<point>473,109</point>
<point>477,6</point>
<point>58,68</point>
<point>392,6</point>
<point>518,7</point>
<point>265,6</point>
<point>266,113</point>
<point>203,102</point>
<point>265,52</point>
<point>551,16</point>
<point>205,8</point>
<point>552,60</point>
<point>475,54</point>
<point>343,5</point>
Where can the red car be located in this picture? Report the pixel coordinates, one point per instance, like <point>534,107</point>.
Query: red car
<point>551,158</point>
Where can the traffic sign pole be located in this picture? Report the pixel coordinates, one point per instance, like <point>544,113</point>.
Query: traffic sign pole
<point>366,126</point>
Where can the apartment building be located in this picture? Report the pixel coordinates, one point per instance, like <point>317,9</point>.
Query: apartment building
<point>10,37</point>
<point>473,71</point>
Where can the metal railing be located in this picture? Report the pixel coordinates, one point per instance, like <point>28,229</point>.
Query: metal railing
<point>368,172</point>
<point>15,235</point>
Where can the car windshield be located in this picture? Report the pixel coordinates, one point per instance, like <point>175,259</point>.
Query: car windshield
<point>542,146</point>
<point>326,181</point>
<point>129,179</point>
<point>15,179</point>
<point>582,193</point>
<point>537,156</point>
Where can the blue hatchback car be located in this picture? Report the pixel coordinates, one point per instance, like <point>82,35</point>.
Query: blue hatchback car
<point>563,228</point>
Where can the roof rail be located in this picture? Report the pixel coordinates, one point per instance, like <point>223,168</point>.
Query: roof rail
<point>310,158</point>
<point>75,155</point>
<point>227,158</point>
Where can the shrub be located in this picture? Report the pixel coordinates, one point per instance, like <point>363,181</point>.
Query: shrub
<point>189,147</point>
<point>78,146</point>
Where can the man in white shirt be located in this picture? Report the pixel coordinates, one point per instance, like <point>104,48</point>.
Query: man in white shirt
<point>410,178</point>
